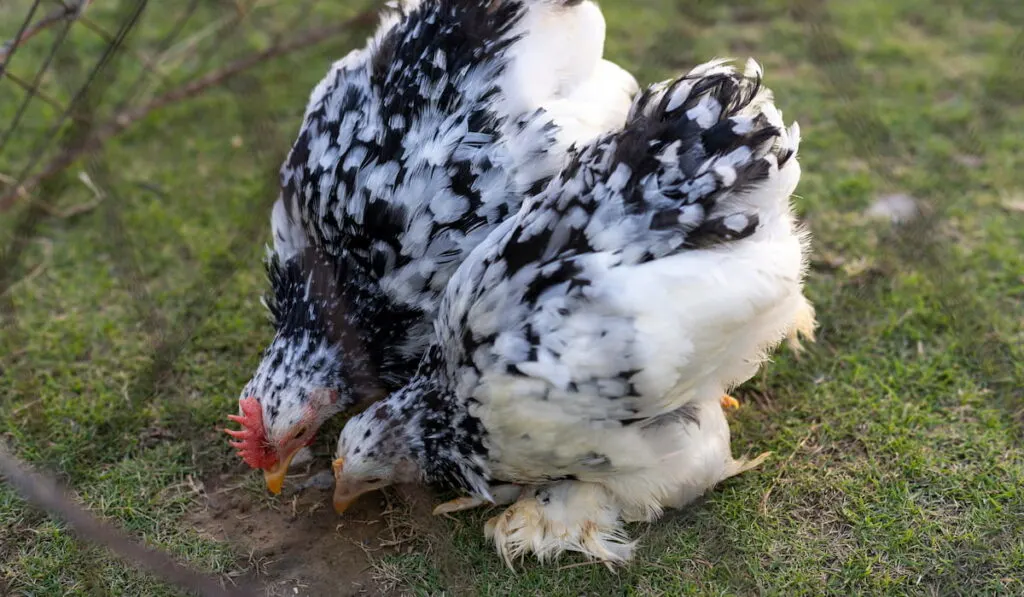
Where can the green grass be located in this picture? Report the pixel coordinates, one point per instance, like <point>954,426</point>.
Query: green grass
<point>899,465</point>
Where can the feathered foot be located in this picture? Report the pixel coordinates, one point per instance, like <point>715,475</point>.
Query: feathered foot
<point>565,516</point>
<point>742,465</point>
<point>802,327</point>
<point>729,403</point>
<point>502,494</point>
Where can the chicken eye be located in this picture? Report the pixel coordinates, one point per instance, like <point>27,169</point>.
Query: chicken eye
<point>373,480</point>
<point>302,431</point>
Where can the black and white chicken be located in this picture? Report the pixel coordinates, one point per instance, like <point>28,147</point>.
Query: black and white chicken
<point>411,151</point>
<point>581,350</point>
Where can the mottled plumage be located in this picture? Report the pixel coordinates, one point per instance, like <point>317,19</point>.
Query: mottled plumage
<point>652,274</point>
<point>411,151</point>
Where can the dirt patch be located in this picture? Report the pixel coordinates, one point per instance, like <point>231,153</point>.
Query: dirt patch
<point>296,545</point>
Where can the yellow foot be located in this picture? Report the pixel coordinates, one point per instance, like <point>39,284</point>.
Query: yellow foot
<point>459,504</point>
<point>729,403</point>
<point>502,494</point>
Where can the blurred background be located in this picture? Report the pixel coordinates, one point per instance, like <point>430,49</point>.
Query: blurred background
<point>139,148</point>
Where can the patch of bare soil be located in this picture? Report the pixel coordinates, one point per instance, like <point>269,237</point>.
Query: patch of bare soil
<point>296,543</point>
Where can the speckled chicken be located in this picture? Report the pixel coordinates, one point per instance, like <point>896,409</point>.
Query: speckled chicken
<point>582,349</point>
<point>411,151</point>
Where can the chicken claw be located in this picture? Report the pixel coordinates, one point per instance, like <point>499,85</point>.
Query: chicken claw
<point>729,403</point>
<point>502,494</point>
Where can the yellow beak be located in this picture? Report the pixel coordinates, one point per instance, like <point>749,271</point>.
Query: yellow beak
<point>340,505</point>
<point>275,476</point>
<point>341,500</point>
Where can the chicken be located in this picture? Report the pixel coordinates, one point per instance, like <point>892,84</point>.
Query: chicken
<point>411,151</point>
<point>549,519</point>
<point>577,346</point>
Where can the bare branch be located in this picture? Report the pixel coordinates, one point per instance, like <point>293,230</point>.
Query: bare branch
<point>108,37</point>
<point>45,493</point>
<point>308,38</point>
<point>33,90</point>
<point>217,77</point>
<point>67,11</point>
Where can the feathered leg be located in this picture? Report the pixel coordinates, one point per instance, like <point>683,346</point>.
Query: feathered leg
<point>697,457</point>
<point>563,516</point>
<point>588,517</point>
<point>802,327</point>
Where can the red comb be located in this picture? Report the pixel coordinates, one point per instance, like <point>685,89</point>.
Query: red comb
<point>252,443</point>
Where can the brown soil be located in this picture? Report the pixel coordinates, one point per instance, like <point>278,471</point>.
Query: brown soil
<point>296,543</point>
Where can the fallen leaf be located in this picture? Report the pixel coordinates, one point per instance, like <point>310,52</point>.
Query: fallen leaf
<point>827,260</point>
<point>857,267</point>
<point>968,161</point>
<point>898,208</point>
<point>1014,203</point>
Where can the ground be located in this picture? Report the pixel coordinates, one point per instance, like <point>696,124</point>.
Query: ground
<point>129,328</point>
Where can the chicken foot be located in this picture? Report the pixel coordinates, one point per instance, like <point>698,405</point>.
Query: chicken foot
<point>563,516</point>
<point>503,495</point>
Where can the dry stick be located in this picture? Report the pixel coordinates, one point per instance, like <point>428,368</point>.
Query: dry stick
<point>45,493</point>
<point>218,77</point>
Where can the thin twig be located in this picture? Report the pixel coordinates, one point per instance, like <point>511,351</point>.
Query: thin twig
<point>218,77</point>
<point>47,245</point>
<point>67,11</point>
<point>45,493</point>
<point>108,37</point>
<point>33,90</point>
<point>81,208</point>
<point>182,49</point>
<point>22,408</point>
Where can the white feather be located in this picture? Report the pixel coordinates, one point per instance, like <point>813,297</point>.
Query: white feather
<point>289,238</point>
<point>690,325</point>
<point>687,459</point>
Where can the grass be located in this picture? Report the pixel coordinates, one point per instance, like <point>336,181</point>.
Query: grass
<point>899,464</point>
